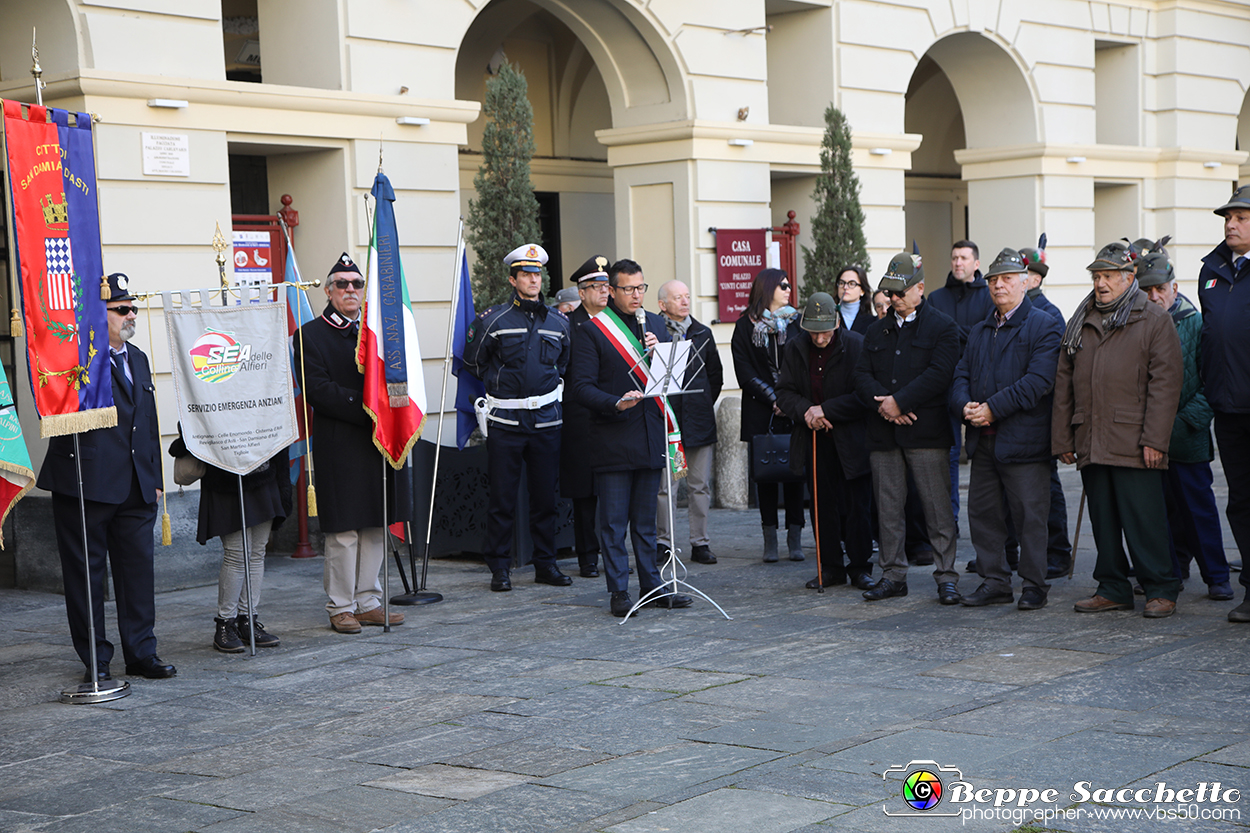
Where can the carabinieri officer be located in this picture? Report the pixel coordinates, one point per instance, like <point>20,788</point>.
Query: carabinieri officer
<point>520,349</point>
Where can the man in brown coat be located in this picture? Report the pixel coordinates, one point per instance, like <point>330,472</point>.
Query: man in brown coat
<point>1116,394</point>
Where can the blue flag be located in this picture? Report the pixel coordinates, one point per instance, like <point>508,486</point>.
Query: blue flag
<point>298,313</point>
<point>468,386</point>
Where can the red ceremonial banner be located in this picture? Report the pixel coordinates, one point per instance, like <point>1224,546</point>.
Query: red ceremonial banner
<point>740,255</point>
<point>41,230</point>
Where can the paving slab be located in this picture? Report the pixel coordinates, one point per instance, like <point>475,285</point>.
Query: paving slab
<point>743,811</point>
<point>555,716</point>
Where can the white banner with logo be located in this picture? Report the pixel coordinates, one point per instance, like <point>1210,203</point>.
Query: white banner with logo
<point>232,377</point>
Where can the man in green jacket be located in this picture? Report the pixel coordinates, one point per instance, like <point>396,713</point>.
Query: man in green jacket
<point>1192,514</point>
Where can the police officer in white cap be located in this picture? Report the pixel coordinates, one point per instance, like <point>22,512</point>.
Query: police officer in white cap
<point>520,349</point>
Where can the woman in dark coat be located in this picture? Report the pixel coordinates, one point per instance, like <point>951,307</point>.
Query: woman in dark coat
<point>266,501</point>
<point>758,341</point>
<point>855,299</point>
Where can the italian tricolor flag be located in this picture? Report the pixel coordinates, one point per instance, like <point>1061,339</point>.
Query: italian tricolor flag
<point>387,352</point>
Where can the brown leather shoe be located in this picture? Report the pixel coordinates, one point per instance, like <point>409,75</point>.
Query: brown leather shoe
<point>1159,608</point>
<point>344,623</point>
<point>374,617</point>
<point>1097,604</point>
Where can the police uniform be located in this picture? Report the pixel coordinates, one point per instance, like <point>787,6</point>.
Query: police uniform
<point>520,349</point>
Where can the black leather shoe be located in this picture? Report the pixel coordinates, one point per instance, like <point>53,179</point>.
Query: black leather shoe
<point>1032,598</point>
<point>589,571</point>
<point>972,566</point>
<point>553,577</point>
<point>671,602</point>
<point>702,554</point>
<point>948,594</point>
<point>863,581</point>
<point>920,558</point>
<point>102,674</point>
<point>621,603</point>
<point>829,581</point>
<point>1057,570</point>
<point>983,595</point>
<point>884,589</point>
<point>501,582</point>
<point>151,667</point>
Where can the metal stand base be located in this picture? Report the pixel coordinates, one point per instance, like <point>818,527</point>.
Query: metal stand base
<point>421,597</point>
<point>669,588</point>
<point>88,693</point>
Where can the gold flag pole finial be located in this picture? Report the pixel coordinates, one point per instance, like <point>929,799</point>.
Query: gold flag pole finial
<point>220,246</point>
<point>35,69</point>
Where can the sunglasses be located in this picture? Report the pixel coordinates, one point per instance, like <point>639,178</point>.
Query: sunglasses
<point>784,286</point>
<point>344,283</point>
<point>124,310</point>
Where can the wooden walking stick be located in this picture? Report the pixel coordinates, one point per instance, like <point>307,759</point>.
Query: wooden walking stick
<point>820,578</point>
<point>1080,514</point>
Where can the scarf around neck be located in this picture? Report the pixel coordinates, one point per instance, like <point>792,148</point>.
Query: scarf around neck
<point>1114,316</point>
<point>773,323</point>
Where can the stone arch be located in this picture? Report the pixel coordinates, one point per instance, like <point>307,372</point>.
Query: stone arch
<point>642,75</point>
<point>60,42</point>
<point>993,87</point>
<point>967,91</point>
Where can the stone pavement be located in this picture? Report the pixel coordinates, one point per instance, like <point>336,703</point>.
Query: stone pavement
<point>537,711</point>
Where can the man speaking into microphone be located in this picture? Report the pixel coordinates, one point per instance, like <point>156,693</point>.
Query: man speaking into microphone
<point>627,428</point>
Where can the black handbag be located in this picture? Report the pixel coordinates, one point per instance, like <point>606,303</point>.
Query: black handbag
<point>770,458</point>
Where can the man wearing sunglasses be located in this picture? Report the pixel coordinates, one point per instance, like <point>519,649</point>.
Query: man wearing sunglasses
<point>520,349</point>
<point>904,374</point>
<point>345,460</point>
<point>121,484</point>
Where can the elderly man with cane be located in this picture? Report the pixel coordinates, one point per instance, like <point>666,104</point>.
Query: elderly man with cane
<point>817,392</point>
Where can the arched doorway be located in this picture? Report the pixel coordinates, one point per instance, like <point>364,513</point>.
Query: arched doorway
<point>589,66</point>
<point>967,93</point>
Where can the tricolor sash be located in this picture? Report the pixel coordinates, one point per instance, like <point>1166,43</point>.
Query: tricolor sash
<point>631,350</point>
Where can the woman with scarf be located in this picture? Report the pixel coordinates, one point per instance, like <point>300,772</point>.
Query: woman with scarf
<point>1116,395</point>
<point>758,342</point>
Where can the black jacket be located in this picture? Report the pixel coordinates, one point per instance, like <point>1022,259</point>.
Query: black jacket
<point>519,349</point>
<point>915,365</point>
<point>634,438</point>
<point>864,317</point>
<point>1011,369</point>
<point>967,303</point>
<point>839,401</point>
<point>577,480</point>
<point>109,455</point>
<point>758,369</point>
<point>347,466</point>
<point>696,412</point>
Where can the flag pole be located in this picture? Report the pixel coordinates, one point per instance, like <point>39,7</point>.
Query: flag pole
<point>442,397</point>
<point>311,499</point>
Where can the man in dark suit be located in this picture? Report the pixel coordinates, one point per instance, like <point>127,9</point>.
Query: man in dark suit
<point>121,483</point>
<point>345,459</point>
<point>628,429</point>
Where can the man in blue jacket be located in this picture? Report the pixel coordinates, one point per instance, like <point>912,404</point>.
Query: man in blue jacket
<point>1224,293</point>
<point>629,430</point>
<point>1003,392</point>
<point>121,484</point>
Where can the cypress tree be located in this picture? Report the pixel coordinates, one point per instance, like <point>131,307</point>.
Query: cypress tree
<point>505,213</point>
<point>838,225</point>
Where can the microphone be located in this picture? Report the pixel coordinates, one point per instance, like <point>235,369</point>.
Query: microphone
<point>641,315</point>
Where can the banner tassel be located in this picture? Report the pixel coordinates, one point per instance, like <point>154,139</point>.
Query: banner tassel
<point>106,294</point>
<point>167,534</point>
<point>15,325</point>
<point>312,501</point>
